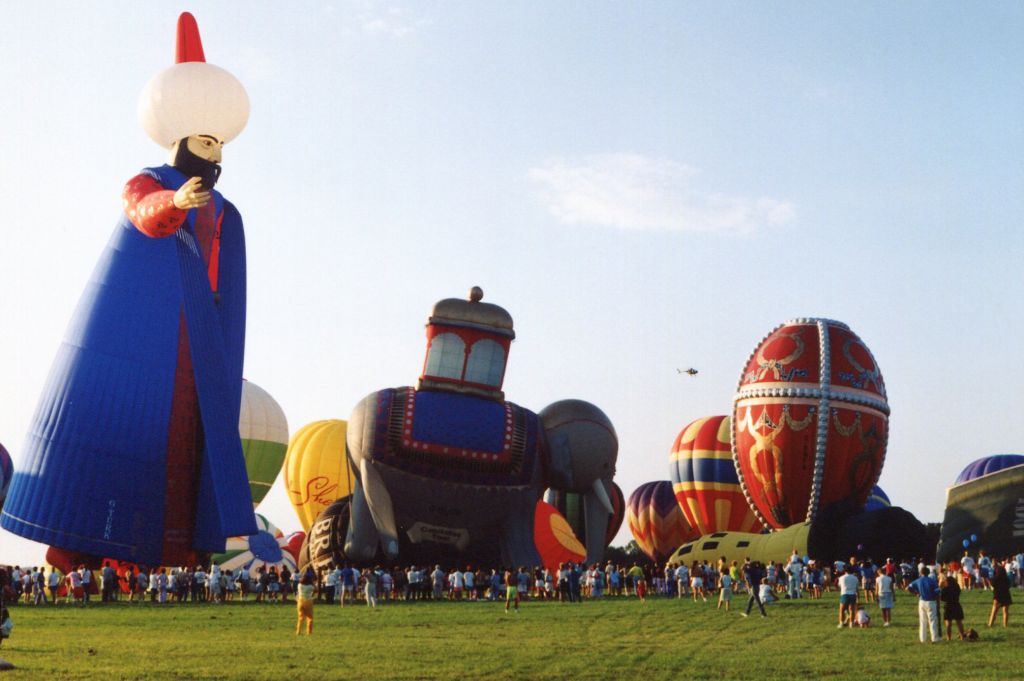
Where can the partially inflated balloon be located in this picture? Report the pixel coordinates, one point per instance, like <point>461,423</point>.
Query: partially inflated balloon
<point>987,465</point>
<point>267,548</point>
<point>570,506</point>
<point>877,499</point>
<point>264,432</point>
<point>704,478</point>
<point>324,545</point>
<point>317,470</point>
<point>656,521</point>
<point>6,473</point>
<point>554,539</point>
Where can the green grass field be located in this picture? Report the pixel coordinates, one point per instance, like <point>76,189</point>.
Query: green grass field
<point>617,638</point>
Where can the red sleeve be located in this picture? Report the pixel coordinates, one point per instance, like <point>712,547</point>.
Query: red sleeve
<point>150,207</point>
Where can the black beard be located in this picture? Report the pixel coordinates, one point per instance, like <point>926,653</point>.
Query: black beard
<point>195,166</point>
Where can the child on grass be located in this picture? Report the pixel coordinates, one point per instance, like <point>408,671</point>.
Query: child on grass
<point>862,619</point>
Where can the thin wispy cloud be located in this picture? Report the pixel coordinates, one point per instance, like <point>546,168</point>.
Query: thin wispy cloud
<point>374,18</point>
<point>632,191</point>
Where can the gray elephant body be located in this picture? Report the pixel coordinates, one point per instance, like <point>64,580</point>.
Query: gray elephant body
<point>459,469</point>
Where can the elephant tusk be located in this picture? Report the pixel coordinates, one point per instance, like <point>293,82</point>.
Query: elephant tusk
<point>602,496</point>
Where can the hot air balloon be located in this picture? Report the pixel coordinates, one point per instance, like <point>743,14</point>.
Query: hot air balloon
<point>317,469</point>
<point>877,499</point>
<point>6,473</point>
<point>704,478</point>
<point>656,521</point>
<point>984,509</point>
<point>555,541</point>
<point>268,547</point>
<point>264,432</point>
<point>988,465</point>
<point>810,422</point>
<point>324,544</point>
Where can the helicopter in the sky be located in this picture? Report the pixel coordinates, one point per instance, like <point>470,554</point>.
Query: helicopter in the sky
<point>691,371</point>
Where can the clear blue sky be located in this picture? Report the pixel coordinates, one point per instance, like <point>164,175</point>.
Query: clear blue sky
<point>644,186</point>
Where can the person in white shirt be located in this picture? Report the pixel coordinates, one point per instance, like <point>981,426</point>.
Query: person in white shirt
<point>848,586</point>
<point>467,582</point>
<point>725,592</point>
<point>883,588</point>
<point>683,581</point>
<point>967,574</point>
<point>794,569</point>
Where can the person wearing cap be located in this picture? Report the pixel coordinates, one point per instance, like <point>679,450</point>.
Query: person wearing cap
<point>149,373</point>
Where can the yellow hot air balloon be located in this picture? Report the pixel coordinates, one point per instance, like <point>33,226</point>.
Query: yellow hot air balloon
<point>316,469</point>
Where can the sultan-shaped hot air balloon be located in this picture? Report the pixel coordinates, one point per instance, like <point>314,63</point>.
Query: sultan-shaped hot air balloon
<point>264,431</point>
<point>317,471</point>
<point>656,521</point>
<point>133,451</point>
<point>704,478</point>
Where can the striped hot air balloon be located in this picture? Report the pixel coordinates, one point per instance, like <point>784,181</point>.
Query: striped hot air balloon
<point>656,521</point>
<point>317,469</point>
<point>554,539</point>
<point>264,432</point>
<point>704,478</point>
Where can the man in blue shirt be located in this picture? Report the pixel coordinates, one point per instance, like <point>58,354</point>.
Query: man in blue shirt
<point>927,590</point>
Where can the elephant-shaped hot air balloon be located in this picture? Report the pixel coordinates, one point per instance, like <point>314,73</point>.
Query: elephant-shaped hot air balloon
<point>656,520</point>
<point>704,478</point>
<point>317,470</point>
<point>451,462</point>
<point>264,431</point>
<point>810,422</point>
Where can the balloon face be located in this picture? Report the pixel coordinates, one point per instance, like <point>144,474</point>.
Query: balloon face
<point>704,478</point>
<point>656,521</point>
<point>317,470</point>
<point>6,473</point>
<point>988,465</point>
<point>267,548</point>
<point>810,422</point>
<point>264,432</point>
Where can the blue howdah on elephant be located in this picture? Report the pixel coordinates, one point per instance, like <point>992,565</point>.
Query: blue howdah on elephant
<point>451,464</point>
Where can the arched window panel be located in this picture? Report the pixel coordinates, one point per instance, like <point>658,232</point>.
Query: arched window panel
<point>447,355</point>
<point>486,363</point>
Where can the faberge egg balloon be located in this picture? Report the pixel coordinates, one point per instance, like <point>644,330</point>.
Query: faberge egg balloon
<point>810,422</point>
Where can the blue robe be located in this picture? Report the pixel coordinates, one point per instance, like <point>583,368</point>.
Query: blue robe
<point>92,473</point>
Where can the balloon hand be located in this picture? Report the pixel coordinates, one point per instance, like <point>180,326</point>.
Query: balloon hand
<point>191,195</point>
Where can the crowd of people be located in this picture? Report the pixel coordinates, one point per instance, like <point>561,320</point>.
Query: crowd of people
<point>860,583</point>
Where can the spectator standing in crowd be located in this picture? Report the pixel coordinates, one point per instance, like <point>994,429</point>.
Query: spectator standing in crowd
<point>372,578</point>
<point>848,585</point>
<point>725,591</point>
<point>886,596</point>
<point>927,591</point>
<point>1001,599</point>
<point>304,604</point>
<point>794,570</point>
<point>949,594</point>
<point>511,590</point>
<point>53,582</point>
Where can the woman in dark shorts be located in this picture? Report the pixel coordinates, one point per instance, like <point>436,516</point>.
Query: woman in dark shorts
<point>1000,595</point>
<point>949,594</point>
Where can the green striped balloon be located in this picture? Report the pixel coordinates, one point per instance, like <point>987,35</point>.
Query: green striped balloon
<point>264,432</point>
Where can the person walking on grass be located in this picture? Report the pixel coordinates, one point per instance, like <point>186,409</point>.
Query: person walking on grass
<point>927,591</point>
<point>304,604</point>
<point>753,574</point>
<point>1001,599</point>
<point>371,587</point>
<point>848,585</point>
